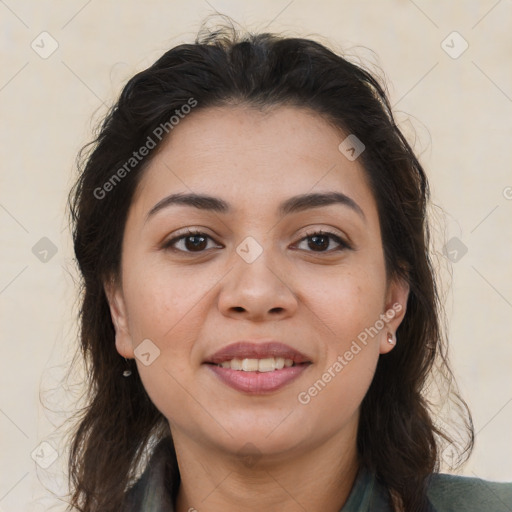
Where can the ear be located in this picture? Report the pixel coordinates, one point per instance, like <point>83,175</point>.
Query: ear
<point>394,312</point>
<point>116,302</point>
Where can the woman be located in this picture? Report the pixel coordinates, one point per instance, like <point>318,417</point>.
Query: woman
<point>260,314</point>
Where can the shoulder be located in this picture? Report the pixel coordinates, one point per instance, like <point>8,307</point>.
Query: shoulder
<point>453,493</point>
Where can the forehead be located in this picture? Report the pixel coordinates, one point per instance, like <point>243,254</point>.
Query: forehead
<point>254,159</point>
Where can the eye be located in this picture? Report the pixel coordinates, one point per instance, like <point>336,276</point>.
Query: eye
<point>193,241</point>
<point>320,240</point>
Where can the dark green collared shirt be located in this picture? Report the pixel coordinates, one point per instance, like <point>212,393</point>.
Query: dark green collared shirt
<point>155,492</point>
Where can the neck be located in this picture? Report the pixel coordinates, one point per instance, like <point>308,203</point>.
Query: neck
<point>319,478</point>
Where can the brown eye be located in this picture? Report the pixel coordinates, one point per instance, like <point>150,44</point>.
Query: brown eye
<point>191,241</point>
<point>320,241</point>
<point>197,242</point>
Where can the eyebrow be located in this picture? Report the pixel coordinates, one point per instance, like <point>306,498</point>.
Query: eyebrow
<point>292,205</point>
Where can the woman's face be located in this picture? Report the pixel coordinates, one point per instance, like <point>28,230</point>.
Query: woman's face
<point>214,320</point>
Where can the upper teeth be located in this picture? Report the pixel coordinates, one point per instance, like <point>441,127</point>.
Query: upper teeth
<point>257,365</point>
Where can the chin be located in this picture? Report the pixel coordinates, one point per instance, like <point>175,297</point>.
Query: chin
<point>259,445</point>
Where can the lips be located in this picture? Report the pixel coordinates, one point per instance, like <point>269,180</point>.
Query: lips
<point>257,368</point>
<point>261,350</point>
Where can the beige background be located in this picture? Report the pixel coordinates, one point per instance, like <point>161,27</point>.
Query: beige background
<point>457,111</point>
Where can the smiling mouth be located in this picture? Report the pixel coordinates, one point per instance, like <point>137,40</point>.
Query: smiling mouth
<point>268,364</point>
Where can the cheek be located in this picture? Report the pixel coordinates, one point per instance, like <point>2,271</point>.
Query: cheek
<point>167,306</point>
<point>163,301</point>
<point>346,301</point>
<point>349,304</point>
<point>349,309</point>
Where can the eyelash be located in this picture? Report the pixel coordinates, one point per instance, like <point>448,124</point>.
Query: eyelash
<point>190,232</point>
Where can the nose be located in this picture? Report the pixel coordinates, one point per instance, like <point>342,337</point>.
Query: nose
<point>257,291</point>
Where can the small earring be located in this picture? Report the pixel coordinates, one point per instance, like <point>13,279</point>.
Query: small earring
<point>127,373</point>
<point>391,340</point>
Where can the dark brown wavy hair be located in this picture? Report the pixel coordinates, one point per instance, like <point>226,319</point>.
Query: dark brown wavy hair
<point>398,439</point>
